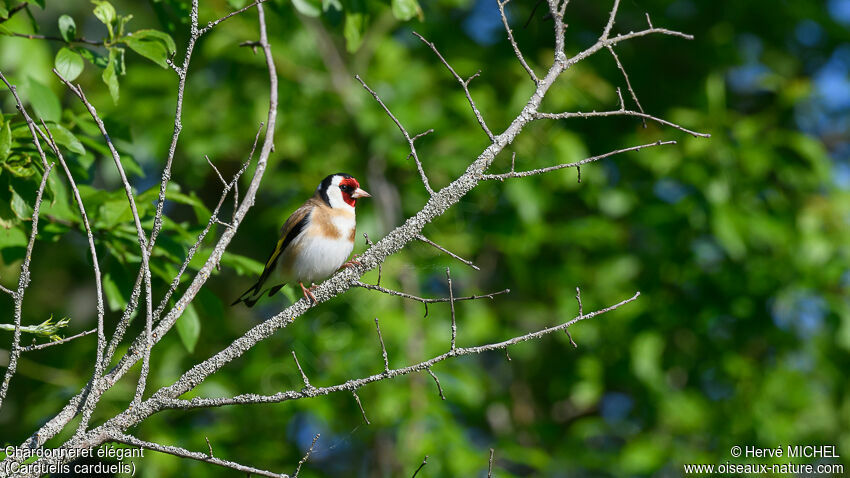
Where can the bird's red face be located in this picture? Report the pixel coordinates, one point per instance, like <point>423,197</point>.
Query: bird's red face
<point>350,189</point>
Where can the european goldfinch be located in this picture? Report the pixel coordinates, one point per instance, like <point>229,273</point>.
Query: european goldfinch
<point>315,241</point>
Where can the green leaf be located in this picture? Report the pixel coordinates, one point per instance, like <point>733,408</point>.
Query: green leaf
<point>114,212</point>
<point>105,12</point>
<point>12,237</point>
<point>241,264</point>
<point>44,101</point>
<point>69,64</point>
<point>66,138</point>
<point>154,45</point>
<point>68,28</point>
<point>307,8</point>
<point>110,76</point>
<point>406,9</point>
<point>355,26</point>
<point>237,4</point>
<point>189,328</point>
<point>40,3</point>
<point>93,57</point>
<point>20,165</point>
<point>328,4</point>
<point>5,141</point>
<point>114,299</point>
<point>20,207</point>
<point>3,12</point>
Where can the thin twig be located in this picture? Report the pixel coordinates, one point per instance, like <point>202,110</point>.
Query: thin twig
<point>357,398</point>
<point>437,381</point>
<point>490,465</point>
<point>598,114</point>
<point>54,38</point>
<point>464,84</point>
<point>380,265</point>
<point>213,23</point>
<point>517,52</point>
<point>424,462</point>
<point>307,456</point>
<point>628,83</point>
<point>410,140</point>
<point>426,300</point>
<point>354,384</point>
<point>610,23</point>
<point>467,262</point>
<point>23,283</point>
<point>580,314</point>
<point>452,304</point>
<point>383,348</point>
<point>303,375</point>
<point>522,174</point>
<point>194,455</point>
<point>31,348</point>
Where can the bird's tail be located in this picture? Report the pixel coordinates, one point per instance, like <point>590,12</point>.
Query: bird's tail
<point>255,292</point>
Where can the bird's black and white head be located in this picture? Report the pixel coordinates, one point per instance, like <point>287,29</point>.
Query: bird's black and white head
<point>341,190</point>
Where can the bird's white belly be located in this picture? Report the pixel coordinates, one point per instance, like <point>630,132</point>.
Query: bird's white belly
<point>319,257</point>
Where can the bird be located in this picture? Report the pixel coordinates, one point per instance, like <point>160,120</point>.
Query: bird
<point>315,241</point>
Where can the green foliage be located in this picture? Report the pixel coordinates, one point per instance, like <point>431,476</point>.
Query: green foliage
<point>68,28</point>
<point>69,64</point>
<point>738,244</point>
<point>151,44</point>
<point>189,328</point>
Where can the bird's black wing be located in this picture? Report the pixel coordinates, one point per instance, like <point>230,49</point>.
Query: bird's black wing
<point>293,226</point>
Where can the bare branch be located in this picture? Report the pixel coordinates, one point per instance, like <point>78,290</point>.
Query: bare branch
<point>98,281</point>
<point>628,83</point>
<point>452,304</point>
<point>72,408</point>
<point>517,52</point>
<point>54,38</point>
<point>380,265</point>
<point>522,174</point>
<point>303,375</point>
<point>175,283</point>
<point>213,23</point>
<point>92,399</point>
<point>490,465</point>
<point>596,114</point>
<point>354,392</point>
<point>437,381</point>
<point>404,132</point>
<point>31,348</point>
<point>307,456</point>
<point>23,283</point>
<point>424,462</point>
<point>610,23</point>
<point>163,402</point>
<point>423,300</point>
<point>383,347</point>
<point>580,314</point>
<point>194,455</point>
<point>426,240</point>
<point>464,84</point>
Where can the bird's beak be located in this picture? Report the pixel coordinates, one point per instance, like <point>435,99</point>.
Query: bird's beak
<point>359,193</point>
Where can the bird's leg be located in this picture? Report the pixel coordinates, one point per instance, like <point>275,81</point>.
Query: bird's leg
<point>308,294</point>
<point>353,262</point>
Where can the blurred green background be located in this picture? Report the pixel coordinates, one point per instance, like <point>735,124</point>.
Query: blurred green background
<point>738,244</point>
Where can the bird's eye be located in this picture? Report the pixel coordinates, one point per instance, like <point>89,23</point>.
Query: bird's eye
<point>346,188</point>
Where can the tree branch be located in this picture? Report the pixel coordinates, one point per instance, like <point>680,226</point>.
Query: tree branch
<point>194,455</point>
<point>410,140</point>
<point>464,84</point>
